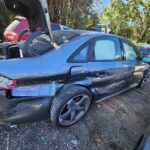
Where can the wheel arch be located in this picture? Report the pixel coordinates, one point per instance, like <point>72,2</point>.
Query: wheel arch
<point>67,86</point>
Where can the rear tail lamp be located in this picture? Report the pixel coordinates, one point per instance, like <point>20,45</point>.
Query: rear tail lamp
<point>11,36</point>
<point>7,84</point>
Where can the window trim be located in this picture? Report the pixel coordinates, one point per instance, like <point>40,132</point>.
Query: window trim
<point>70,59</point>
<point>117,42</point>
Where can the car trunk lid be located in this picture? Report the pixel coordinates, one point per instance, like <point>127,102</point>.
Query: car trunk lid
<point>36,11</point>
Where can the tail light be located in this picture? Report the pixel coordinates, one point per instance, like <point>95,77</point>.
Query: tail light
<point>11,36</point>
<point>7,84</point>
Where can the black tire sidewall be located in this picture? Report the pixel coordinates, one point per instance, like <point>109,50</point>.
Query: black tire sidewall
<point>63,97</point>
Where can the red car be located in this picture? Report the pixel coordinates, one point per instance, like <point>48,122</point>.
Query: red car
<point>20,28</point>
<point>16,28</point>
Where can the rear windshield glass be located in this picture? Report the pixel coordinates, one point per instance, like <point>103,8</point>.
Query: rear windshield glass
<point>61,37</point>
<point>42,44</point>
<point>13,25</point>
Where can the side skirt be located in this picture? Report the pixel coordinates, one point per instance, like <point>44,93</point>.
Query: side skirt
<point>105,98</point>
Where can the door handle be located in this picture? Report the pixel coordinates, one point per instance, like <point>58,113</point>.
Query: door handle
<point>102,74</point>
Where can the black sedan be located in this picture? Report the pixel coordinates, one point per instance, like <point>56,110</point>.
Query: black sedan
<point>59,74</point>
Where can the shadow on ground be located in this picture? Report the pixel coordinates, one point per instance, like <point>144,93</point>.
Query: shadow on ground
<point>116,124</point>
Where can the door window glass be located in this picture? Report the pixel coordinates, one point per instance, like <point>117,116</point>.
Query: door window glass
<point>105,49</point>
<point>130,51</point>
<point>82,54</point>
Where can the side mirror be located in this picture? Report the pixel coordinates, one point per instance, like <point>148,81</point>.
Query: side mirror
<point>146,59</point>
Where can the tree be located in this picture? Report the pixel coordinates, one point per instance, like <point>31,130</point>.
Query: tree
<point>129,18</point>
<point>4,18</point>
<point>75,13</point>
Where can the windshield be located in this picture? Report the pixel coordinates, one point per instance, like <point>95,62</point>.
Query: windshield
<point>42,44</point>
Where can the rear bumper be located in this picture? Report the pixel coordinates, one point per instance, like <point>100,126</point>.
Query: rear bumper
<point>14,111</point>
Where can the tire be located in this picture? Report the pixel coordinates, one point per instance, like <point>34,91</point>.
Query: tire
<point>73,102</point>
<point>142,82</point>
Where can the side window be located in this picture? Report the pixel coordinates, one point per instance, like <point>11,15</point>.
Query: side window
<point>82,54</point>
<point>106,49</point>
<point>130,51</point>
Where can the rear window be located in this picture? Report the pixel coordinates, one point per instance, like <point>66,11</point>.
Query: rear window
<point>42,44</point>
<point>61,37</point>
<point>13,25</point>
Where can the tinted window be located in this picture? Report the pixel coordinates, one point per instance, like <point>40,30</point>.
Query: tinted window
<point>82,54</point>
<point>42,44</point>
<point>105,49</point>
<point>130,51</point>
<point>63,36</point>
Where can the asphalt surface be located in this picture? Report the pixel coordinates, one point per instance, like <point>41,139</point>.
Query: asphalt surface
<point>116,124</point>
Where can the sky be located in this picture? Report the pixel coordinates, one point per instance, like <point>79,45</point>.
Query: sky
<point>98,7</point>
<point>106,2</point>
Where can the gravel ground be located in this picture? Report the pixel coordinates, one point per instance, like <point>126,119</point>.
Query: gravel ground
<point>116,124</point>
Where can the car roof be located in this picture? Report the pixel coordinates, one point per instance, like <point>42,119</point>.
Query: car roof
<point>87,32</point>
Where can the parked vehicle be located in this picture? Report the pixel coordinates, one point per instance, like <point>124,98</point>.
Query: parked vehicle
<point>56,27</point>
<point>102,28</point>
<point>16,28</point>
<point>20,28</point>
<point>145,50</point>
<point>61,73</point>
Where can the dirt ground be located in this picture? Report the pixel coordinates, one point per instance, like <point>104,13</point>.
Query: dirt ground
<point>116,124</point>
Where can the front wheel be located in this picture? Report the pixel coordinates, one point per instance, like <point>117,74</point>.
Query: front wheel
<point>70,105</point>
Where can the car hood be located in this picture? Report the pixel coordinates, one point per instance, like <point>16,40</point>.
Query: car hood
<point>36,11</point>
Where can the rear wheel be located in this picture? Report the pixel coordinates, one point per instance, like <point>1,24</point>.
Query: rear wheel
<point>143,81</point>
<point>70,105</point>
<point>141,84</point>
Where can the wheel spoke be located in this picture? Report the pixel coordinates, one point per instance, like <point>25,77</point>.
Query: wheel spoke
<point>81,108</point>
<point>65,115</point>
<point>80,115</point>
<point>73,115</point>
<point>82,101</point>
<point>74,109</point>
<point>71,103</point>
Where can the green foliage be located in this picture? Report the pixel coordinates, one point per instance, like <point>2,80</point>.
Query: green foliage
<point>5,18</point>
<point>129,18</point>
<point>74,13</point>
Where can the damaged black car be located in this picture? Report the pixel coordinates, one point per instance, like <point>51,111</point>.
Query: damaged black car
<point>59,74</point>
